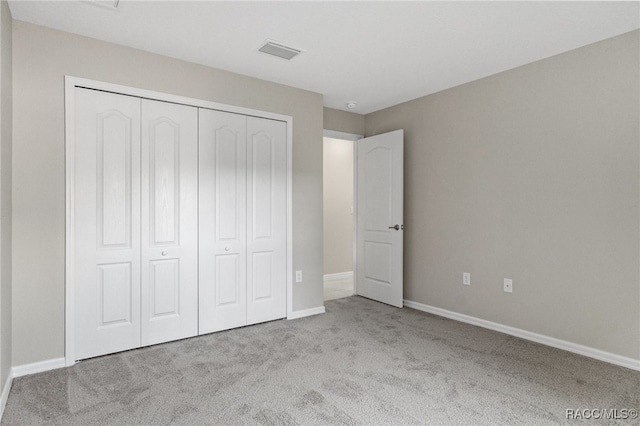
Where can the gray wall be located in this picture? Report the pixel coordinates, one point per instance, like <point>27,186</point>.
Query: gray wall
<point>41,58</point>
<point>5,191</point>
<point>530,174</point>
<point>343,121</point>
<point>338,204</point>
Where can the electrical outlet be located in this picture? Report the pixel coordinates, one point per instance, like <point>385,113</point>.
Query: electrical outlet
<point>466,278</point>
<point>298,276</point>
<point>508,285</point>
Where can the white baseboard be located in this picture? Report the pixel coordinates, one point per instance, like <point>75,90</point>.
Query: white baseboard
<point>339,276</point>
<point>5,392</point>
<point>38,367</point>
<point>590,352</point>
<point>306,313</point>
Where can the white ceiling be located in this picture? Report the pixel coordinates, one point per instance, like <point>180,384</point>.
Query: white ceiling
<point>376,53</point>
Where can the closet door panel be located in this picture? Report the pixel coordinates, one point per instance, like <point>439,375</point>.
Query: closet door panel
<point>222,221</point>
<point>106,223</point>
<point>170,222</point>
<point>266,225</point>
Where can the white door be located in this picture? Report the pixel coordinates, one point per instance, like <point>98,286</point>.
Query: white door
<point>266,220</point>
<point>223,223</point>
<point>136,225</point>
<point>169,221</point>
<point>379,232</point>
<point>242,216</point>
<point>105,208</point>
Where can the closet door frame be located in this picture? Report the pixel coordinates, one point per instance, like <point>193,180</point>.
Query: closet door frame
<point>71,83</point>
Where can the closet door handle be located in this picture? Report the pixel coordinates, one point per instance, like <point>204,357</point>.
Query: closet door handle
<point>164,253</point>
<point>227,248</point>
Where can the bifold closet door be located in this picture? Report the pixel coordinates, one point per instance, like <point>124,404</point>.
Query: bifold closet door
<point>267,220</point>
<point>135,212</point>
<point>222,219</point>
<point>169,221</point>
<point>106,223</point>
<point>242,195</point>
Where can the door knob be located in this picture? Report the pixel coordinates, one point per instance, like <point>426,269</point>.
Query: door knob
<point>396,227</point>
<point>227,248</point>
<point>164,253</point>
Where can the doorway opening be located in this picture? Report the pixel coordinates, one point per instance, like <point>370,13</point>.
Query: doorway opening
<point>338,214</point>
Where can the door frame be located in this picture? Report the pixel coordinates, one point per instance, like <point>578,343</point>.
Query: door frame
<point>70,83</point>
<point>354,138</point>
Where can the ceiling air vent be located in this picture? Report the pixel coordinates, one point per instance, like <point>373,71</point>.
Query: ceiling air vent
<point>279,50</point>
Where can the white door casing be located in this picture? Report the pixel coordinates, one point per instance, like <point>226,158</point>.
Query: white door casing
<point>222,218</point>
<point>169,221</point>
<point>379,245</point>
<point>106,223</point>
<point>266,219</point>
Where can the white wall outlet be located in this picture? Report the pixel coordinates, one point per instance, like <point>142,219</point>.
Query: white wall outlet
<point>466,278</point>
<point>298,276</point>
<point>508,285</point>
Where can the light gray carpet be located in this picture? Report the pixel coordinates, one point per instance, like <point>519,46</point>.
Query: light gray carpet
<point>360,363</point>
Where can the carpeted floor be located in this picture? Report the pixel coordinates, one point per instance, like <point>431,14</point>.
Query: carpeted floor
<point>360,363</point>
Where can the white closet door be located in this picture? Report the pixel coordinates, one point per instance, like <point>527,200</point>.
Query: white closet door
<point>106,223</point>
<point>222,196</point>
<point>169,221</point>
<point>267,219</point>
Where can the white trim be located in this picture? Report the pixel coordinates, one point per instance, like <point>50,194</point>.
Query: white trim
<point>354,218</point>
<point>167,97</point>
<point>306,313</point>
<point>289,216</point>
<point>587,351</point>
<point>338,276</point>
<point>5,392</point>
<point>69,108</point>
<point>70,84</point>
<point>38,367</point>
<point>340,135</point>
